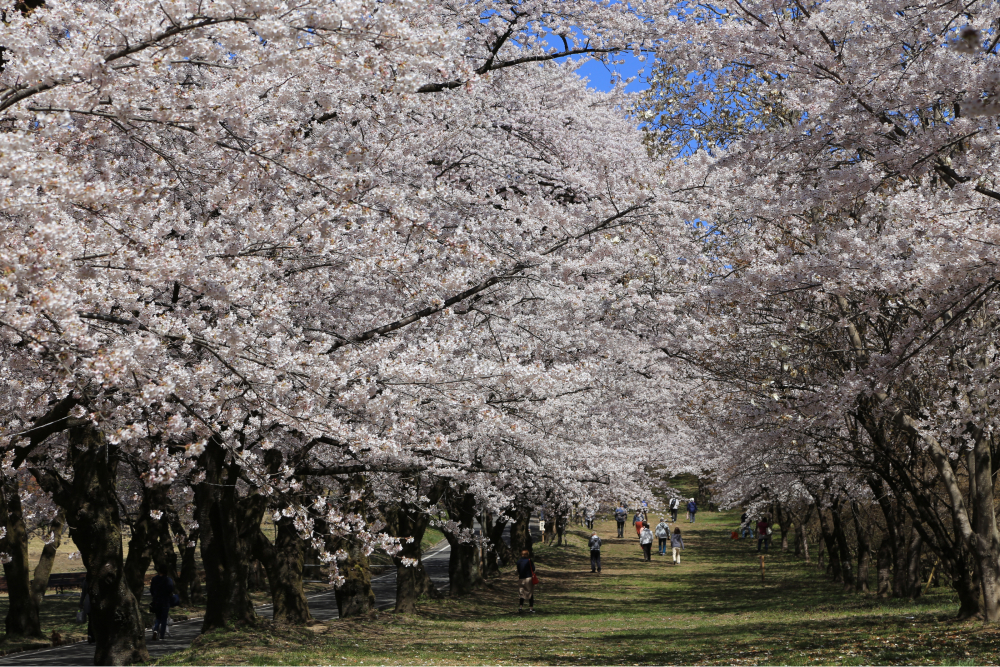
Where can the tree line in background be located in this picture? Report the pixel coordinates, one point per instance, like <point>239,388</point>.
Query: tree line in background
<point>360,267</point>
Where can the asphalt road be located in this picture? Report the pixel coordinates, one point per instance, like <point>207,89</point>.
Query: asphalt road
<point>322,605</point>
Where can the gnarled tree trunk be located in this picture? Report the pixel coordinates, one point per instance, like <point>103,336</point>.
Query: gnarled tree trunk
<point>284,561</point>
<point>224,546</point>
<point>22,610</point>
<point>463,564</point>
<point>40,580</point>
<point>90,505</point>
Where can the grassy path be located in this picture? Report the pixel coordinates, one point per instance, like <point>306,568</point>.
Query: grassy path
<point>712,609</point>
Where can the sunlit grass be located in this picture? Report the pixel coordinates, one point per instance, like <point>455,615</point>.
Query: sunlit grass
<point>712,609</point>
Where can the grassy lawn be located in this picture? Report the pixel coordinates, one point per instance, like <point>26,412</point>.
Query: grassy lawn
<point>712,609</point>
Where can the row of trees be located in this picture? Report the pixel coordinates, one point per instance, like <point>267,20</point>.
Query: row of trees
<point>355,267</point>
<point>347,264</point>
<point>845,329</point>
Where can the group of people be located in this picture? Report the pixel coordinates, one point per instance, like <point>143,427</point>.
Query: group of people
<point>761,530</point>
<point>645,534</point>
<point>527,578</point>
<point>662,534</point>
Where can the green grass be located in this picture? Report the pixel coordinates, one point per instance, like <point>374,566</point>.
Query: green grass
<point>712,609</point>
<point>56,613</point>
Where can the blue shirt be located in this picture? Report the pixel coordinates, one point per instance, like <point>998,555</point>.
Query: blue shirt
<point>524,568</point>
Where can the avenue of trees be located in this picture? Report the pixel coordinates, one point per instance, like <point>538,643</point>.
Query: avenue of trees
<point>359,267</point>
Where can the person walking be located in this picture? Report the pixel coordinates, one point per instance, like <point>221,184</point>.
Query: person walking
<point>161,589</point>
<point>637,521</point>
<point>763,533</point>
<point>692,509</point>
<point>677,543</point>
<point>526,582</point>
<point>662,534</point>
<point>646,541</point>
<point>588,518</point>
<point>674,506</point>
<point>541,523</point>
<point>595,553</point>
<point>744,525</point>
<point>620,515</point>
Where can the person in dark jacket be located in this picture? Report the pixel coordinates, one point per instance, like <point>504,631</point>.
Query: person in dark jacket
<point>675,503</point>
<point>526,585</point>
<point>677,543</point>
<point>763,533</point>
<point>620,515</point>
<point>692,509</point>
<point>161,588</point>
<point>595,553</point>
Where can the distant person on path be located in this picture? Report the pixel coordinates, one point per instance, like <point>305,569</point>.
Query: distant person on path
<point>161,589</point>
<point>763,533</point>
<point>526,585</point>
<point>595,553</point>
<point>744,525</point>
<point>620,515</point>
<point>588,518</point>
<point>662,534</point>
<point>541,523</point>
<point>637,521</point>
<point>677,542</point>
<point>646,541</point>
<point>692,510</point>
<point>674,506</point>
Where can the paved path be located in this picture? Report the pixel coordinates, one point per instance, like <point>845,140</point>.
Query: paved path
<point>323,606</point>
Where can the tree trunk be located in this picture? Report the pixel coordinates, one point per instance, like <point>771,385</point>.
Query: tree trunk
<point>187,579</point>
<point>784,524</point>
<point>22,610</point>
<point>463,563</point>
<point>284,561</point>
<point>913,566</point>
<point>844,551</point>
<point>967,586</point>
<point>224,548</point>
<point>138,560</point>
<point>864,549</point>
<point>40,580</point>
<point>520,532</point>
<point>355,596</point>
<point>883,564</point>
<point>832,550</point>
<point>405,520</point>
<point>90,505</point>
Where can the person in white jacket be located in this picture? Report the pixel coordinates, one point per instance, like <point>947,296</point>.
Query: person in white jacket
<point>646,541</point>
<point>663,534</point>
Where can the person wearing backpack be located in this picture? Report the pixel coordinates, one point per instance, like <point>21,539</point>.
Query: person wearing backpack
<point>595,553</point>
<point>674,506</point>
<point>161,589</point>
<point>763,533</point>
<point>677,543</point>
<point>662,534</point>
<point>620,515</point>
<point>526,582</point>
<point>646,541</point>
<point>692,508</point>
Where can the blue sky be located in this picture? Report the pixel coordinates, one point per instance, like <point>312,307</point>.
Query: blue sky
<point>599,75</point>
